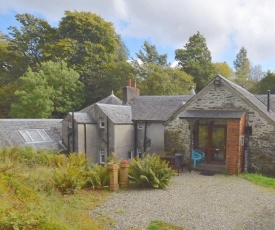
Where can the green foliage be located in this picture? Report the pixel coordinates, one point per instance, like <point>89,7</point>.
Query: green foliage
<point>160,80</point>
<point>149,54</point>
<point>259,179</point>
<point>160,225</point>
<point>223,69</point>
<point>31,40</point>
<point>51,92</point>
<point>267,83</point>
<point>29,199</point>
<point>71,177</point>
<point>150,172</point>
<point>195,59</point>
<point>241,59</point>
<point>98,177</point>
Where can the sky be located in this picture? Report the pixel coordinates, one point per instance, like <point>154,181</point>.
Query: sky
<point>227,25</point>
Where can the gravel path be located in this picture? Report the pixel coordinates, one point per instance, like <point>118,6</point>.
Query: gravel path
<point>194,201</point>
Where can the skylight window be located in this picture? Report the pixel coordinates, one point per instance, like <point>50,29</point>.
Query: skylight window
<point>35,135</point>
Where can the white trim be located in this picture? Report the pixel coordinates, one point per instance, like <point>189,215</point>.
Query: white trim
<point>35,135</point>
<point>102,156</point>
<point>102,124</point>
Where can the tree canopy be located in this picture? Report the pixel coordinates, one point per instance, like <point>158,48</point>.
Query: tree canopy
<point>195,59</point>
<point>149,54</point>
<point>49,93</point>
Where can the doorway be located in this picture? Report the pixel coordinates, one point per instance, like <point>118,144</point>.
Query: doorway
<point>212,140</point>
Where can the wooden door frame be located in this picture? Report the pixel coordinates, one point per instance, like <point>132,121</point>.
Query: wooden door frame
<point>209,143</point>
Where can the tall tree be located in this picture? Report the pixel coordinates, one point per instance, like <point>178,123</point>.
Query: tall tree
<point>92,48</point>
<point>241,59</point>
<point>149,54</point>
<point>195,59</point>
<point>12,66</point>
<point>223,69</point>
<point>51,92</point>
<point>32,39</point>
<point>163,80</point>
<point>243,70</point>
<point>267,83</point>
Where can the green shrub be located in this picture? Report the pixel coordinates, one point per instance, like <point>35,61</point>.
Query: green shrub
<point>97,176</point>
<point>150,172</point>
<point>72,176</point>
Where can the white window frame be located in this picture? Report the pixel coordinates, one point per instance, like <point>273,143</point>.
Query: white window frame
<point>26,134</point>
<point>131,154</point>
<point>102,154</point>
<point>101,124</point>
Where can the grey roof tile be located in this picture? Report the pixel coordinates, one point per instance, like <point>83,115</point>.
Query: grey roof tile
<point>119,114</point>
<point>251,98</point>
<point>110,100</point>
<point>83,117</point>
<point>156,108</point>
<point>10,136</point>
<point>211,114</point>
<point>263,99</point>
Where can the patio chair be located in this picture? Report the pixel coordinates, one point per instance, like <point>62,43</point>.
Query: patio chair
<point>196,157</point>
<point>201,153</point>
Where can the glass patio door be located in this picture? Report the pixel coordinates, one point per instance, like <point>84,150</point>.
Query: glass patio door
<point>217,149</point>
<point>212,140</point>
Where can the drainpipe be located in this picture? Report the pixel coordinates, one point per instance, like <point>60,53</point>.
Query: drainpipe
<point>145,134</point>
<point>268,100</point>
<point>73,131</point>
<point>135,139</point>
<point>108,144</point>
<point>85,141</point>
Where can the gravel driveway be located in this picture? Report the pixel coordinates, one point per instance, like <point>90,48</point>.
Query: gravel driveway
<point>194,201</point>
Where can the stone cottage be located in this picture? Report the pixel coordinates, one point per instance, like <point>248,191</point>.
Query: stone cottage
<point>233,127</point>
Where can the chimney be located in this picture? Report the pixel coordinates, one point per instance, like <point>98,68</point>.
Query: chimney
<point>268,100</point>
<point>129,82</point>
<point>129,92</point>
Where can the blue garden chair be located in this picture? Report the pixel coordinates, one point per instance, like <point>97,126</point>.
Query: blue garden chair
<point>201,153</point>
<point>197,156</point>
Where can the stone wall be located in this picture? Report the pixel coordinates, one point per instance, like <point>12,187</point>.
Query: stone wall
<point>261,144</point>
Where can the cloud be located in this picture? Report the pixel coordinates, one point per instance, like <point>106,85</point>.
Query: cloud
<point>226,25</point>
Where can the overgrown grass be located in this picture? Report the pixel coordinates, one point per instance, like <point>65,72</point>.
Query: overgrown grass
<point>259,179</point>
<point>41,190</point>
<point>160,225</point>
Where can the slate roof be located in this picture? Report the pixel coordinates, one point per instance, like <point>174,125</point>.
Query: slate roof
<point>82,117</point>
<point>263,98</point>
<point>10,136</point>
<point>119,114</point>
<point>156,108</point>
<point>251,98</point>
<point>110,100</point>
<point>211,114</point>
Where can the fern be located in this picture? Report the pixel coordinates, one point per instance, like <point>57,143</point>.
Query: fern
<point>150,172</point>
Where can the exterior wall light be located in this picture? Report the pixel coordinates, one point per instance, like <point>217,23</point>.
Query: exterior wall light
<point>217,81</point>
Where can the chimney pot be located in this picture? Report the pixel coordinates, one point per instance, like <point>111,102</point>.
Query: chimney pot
<point>129,82</point>
<point>135,84</point>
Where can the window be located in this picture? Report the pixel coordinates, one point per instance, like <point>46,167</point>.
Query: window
<point>140,126</point>
<point>102,156</point>
<point>35,135</point>
<point>102,124</point>
<point>139,153</point>
<point>130,154</point>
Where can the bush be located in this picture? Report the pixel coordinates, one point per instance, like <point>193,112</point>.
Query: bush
<point>97,176</point>
<point>150,172</point>
<point>72,176</point>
